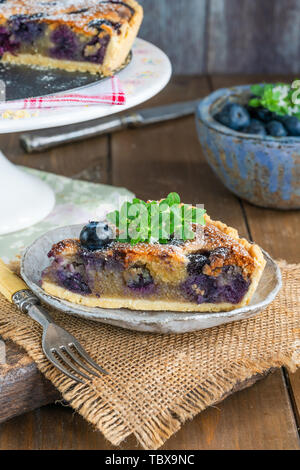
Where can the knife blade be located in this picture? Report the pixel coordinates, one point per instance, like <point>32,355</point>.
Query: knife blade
<point>37,142</point>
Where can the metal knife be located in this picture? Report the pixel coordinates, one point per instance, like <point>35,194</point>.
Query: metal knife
<point>63,135</point>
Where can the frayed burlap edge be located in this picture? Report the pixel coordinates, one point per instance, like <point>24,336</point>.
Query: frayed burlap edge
<point>153,433</point>
<point>158,429</point>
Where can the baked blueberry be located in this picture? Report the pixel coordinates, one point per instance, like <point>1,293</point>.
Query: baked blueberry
<point>25,28</point>
<point>95,49</point>
<point>78,12</point>
<point>292,125</point>
<point>256,127</point>
<point>7,43</point>
<point>73,282</point>
<point>120,3</point>
<point>95,236</point>
<point>196,263</point>
<point>276,129</point>
<point>97,24</point>
<point>65,43</point>
<point>138,277</point>
<point>234,116</point>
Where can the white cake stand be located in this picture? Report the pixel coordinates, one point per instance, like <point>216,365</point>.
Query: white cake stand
<point>24,199</point>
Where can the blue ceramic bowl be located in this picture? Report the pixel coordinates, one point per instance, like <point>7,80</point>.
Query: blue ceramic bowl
<point>263,170</point>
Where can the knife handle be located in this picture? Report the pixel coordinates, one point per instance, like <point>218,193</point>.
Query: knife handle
<point>10,283</point>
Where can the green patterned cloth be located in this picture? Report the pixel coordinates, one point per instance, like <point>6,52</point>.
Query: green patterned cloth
<point>76,202</point>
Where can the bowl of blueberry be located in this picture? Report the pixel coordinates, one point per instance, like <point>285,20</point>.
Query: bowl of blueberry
<point>250,136</point>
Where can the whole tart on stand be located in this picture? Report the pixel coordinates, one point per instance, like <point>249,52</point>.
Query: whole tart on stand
<point>78,35</point>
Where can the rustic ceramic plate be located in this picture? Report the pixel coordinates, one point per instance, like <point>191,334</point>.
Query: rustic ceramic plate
<point>35,260</point>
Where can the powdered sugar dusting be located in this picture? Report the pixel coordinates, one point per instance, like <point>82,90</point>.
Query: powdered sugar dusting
<point>76,13</point>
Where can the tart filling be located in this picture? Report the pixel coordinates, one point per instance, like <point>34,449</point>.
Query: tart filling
<point>215,271</point>
<point>86,35</point>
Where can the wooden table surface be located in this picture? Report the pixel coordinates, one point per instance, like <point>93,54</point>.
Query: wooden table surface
<point>152,162</point>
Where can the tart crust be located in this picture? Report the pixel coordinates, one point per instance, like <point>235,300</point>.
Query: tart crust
<point>245,252</point>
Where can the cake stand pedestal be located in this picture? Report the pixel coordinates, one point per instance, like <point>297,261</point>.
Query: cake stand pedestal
<point>24,199</point>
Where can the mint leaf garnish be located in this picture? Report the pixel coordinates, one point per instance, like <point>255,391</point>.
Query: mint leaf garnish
<point>277,98</point>
<point>173,198</point>
<point>156,221</point>
<point>257,90</point>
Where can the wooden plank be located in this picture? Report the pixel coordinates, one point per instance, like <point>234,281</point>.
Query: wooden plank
<point>166,26</point>
<point>229,80</point>
<point>253,36</point>
<point>225,36</point>
<point>21,384</point>
<point>276,231</point>
<point>249,420</point>
<point>35,430</point>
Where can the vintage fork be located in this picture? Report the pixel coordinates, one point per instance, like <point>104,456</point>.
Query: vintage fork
<point>59,346</point>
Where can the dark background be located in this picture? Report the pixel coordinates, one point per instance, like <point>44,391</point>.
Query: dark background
<point>226,36</point>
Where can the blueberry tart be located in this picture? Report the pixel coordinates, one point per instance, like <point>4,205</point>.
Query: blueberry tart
<point>213,271</point>
<point>75,35</point>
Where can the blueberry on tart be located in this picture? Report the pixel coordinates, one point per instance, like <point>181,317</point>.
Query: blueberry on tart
<point>207,269</point>
<point>75,35</point>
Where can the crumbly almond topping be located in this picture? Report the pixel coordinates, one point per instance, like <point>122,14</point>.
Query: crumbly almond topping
<point>173,258</point>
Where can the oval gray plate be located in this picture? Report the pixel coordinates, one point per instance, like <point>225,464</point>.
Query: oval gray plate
<point>35,260</point>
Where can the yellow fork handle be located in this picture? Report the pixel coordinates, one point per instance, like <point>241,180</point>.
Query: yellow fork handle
<point>10,283</point>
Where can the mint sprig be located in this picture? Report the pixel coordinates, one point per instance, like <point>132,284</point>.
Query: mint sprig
<point>277,98</point>
<point>156,221</point>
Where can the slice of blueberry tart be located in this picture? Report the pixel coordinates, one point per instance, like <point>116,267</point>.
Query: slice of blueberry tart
<point>75,35</point>
<point>212,270</point>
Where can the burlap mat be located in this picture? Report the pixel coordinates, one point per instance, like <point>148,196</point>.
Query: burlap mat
<point>157,382</point>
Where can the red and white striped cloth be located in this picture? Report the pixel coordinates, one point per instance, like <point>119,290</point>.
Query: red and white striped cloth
<point>108,92</point>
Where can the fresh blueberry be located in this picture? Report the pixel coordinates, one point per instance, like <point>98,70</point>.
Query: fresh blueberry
<point>276,129</point>
<point>262,114</point>
<point>256,127</point>
<point>95,236</point>
<point>223,116</point>
<point>292,125</point>
<point>234,116</point>
<point>196,263</point>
